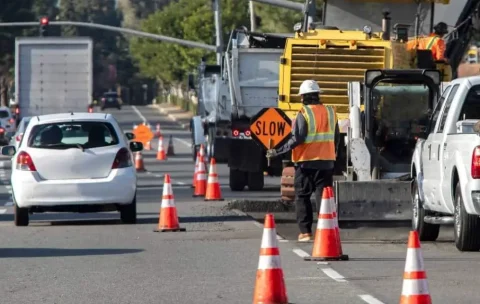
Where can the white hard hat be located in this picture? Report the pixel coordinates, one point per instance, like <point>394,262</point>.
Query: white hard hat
<point>309,86</point>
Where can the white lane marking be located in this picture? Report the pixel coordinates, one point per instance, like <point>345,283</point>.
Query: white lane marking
<point>300,253</point>
<point>370,300</point>
<point>186,143</point>
<point>139,114</point>
<point>2,210</point>
<point>8,204</point>
<point>181,183</point>
<point>334,275</point>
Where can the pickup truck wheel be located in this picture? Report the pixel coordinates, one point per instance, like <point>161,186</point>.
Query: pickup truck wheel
<point>426,232</point>
<point>255,181</point>
<point>466,226</point>
<point>237,180</point>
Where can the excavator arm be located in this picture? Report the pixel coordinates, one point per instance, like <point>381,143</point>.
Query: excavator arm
<point>459,39</point>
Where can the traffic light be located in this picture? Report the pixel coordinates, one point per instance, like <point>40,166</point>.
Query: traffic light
<point>44,27</point>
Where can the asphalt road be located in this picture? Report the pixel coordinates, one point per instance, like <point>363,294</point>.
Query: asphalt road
<point>93,258</point>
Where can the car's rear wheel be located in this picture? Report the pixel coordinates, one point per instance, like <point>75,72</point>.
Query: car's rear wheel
<point>21,217</point>
<point>128,213</point>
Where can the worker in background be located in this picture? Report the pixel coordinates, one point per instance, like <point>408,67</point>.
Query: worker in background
<point>434,42</point>
<point>315,136</point>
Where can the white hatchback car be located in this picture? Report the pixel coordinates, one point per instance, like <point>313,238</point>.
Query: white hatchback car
<point>74,162</point>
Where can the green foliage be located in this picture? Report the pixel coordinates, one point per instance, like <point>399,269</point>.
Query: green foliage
<point>185,19</point>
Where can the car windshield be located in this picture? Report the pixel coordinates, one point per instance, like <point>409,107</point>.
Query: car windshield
<point>77,134</point>
<point>4,114</point>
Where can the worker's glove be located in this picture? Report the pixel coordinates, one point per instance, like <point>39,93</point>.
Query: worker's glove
<point>271,153</point>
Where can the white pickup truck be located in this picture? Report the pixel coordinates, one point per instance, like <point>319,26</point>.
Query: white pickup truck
<point>446,167</point>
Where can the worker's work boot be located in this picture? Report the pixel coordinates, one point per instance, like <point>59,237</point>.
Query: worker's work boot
<point>304,237</point>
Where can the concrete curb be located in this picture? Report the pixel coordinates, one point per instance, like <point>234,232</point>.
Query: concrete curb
<point>185,126</point>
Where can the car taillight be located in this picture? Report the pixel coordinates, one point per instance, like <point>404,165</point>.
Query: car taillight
<point>25,162</point>
<point>90,110</point>
<point>18,137</point>
<point>235,133</point>
<point>123,159</point>
<point>2,130</point>
<point>476,163</point>
<point>248,133</point>
<point>103,99</point>
<point>17,111</point>
<point>11,120</point>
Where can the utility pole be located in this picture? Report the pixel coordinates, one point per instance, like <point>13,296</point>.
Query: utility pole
<point>253,23</point>
<point>218,30</point>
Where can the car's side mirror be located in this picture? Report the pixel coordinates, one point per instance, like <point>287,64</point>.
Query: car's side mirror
<point>8,150</point>
<point>129,135</point>
<point>136,146</point>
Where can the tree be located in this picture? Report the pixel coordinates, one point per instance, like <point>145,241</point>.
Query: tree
<point>185,19</point>
<point>280,20</point>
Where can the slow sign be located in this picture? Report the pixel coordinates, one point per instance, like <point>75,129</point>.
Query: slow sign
<point>271,127</point>
<point>143,134</point>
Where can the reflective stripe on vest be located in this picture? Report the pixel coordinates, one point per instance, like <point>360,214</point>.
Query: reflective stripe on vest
<point>320,141</point>
<point>431,42</point>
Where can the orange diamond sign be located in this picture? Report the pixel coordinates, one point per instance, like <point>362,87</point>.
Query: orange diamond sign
<point>143,134</point>
<point>271,127</point>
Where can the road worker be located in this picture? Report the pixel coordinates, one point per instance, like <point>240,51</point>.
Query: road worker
<point>314,144</point>
<point>434,42</point>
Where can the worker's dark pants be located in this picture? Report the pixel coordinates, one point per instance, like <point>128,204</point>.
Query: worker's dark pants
<point>306,182</point>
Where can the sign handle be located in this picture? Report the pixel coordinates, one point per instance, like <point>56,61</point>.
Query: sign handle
<point>270,143</point>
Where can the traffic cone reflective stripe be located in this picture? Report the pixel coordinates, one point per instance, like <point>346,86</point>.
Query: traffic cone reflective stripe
<point>168,219</point>
<point>415,286</point>
<point>134,126</point>
<point>148,146</point>
<point>214,192</point>
<point>170,150</point>
<point>158,133</point>
<point>269,283</point>
<point>139,165</point>
<point>201,178</point>
<point>161,152</point>
<point>326,242</point>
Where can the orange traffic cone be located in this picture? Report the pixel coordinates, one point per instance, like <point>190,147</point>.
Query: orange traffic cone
<point>270,284</point>
<point>158,133</point>
<point>335,216</point>
<point>196,170</point>
<point>139,165</point>
<point>201,179</point>
<point>325,245</point>
<point>415,285</point>
<point>170,150</point>
<point>213,186</point>
<point>148,146</point>
<point>168,212</point>
<point>161,152</point>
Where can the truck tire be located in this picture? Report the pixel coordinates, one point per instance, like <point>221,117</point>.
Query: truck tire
<point>255,181</point>
<point>237,180</point>
<point>426,232</point>
<point>466,226</point>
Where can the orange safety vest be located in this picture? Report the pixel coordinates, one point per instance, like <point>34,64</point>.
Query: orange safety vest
<point>433,43</point>
<point>320,141</point>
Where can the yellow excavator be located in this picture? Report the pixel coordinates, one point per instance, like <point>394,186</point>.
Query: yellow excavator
<point>341,49</point>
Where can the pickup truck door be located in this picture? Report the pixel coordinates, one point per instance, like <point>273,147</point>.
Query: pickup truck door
<point>428,151</point>
<point>436,162</point>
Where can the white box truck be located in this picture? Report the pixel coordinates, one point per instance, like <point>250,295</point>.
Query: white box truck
<point>52,75</point>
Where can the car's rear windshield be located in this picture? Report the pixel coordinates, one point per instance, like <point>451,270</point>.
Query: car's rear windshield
<point>78,134</point>
<point>4,114</point>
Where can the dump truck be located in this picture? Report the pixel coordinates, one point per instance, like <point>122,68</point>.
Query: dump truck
<point>52,75</point>
<point>248,83</point>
